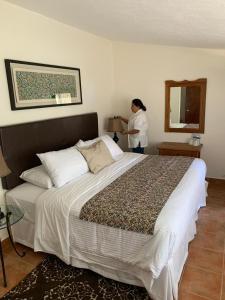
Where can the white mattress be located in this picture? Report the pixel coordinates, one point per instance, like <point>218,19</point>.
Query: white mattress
<point>116,253</point>
<point>25,196</point>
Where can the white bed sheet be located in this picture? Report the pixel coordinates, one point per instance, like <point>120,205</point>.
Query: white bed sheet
<point>120,254</point>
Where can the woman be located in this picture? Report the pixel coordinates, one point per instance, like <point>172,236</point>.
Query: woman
<point>137,127</point>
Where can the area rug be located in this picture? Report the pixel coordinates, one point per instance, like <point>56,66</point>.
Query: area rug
<point>53,279</point>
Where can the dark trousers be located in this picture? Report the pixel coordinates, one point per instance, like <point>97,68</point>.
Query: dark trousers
<point>138,149</point>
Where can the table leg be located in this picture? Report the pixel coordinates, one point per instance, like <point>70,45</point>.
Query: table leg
<point>10,236</point>
<point>3,265</point>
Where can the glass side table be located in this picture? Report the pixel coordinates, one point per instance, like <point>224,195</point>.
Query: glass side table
<point>10,214</point>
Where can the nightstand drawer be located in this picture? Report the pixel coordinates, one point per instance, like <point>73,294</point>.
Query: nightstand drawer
<point>179,153</point>
<point>179,149</point>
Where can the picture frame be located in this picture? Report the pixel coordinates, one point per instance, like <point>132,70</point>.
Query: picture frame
<point>35,85</point>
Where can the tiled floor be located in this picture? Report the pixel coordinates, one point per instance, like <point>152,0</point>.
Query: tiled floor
<point>204,273</point>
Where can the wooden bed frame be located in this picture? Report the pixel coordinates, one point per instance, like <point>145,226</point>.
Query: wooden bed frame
<point>21,142</point>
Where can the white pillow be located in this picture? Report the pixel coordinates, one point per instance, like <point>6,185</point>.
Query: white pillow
<point>37,176</point>
<point>114,149</point>
<point>64,165</point>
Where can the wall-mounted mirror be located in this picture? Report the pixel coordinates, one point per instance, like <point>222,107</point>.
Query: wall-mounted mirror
<point>185,105</point>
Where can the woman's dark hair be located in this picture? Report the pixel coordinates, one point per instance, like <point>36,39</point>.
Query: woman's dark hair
<point>138,103</point>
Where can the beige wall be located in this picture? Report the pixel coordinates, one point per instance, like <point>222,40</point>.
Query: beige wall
<point>31,37</point>
<point>140,71</point>
<point>112,74</point>
<point>175,95</point>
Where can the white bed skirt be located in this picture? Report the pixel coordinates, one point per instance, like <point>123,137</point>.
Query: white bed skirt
<point>165,287</point>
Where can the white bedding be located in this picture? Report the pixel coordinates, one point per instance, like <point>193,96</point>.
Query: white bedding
<point>127,256</point>
<point>52,233</point>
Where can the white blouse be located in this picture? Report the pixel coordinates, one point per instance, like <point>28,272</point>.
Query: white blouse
<point>139,122</point>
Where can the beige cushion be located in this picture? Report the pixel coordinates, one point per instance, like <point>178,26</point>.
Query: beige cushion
<point>97,156</point>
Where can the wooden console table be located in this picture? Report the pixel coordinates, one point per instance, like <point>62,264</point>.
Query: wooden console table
<point>179,149</point>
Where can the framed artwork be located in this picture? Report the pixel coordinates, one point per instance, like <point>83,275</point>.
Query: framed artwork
<point>34,85</point>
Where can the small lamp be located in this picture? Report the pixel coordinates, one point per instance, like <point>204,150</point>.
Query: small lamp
<point>115,125</point>
<point>4,171</point>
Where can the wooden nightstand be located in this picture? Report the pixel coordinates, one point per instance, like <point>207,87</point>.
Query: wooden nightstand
<point>179,149</point>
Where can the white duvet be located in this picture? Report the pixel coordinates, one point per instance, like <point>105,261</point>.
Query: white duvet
<point>54,207</point>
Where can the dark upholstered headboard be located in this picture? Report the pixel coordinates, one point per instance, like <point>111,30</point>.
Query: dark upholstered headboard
<point>21,142</point>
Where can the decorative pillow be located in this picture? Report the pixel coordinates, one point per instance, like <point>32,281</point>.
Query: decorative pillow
<point>64,165</point>
<point>97,156</point>
<point>114,149</point>
<point>37,176</point>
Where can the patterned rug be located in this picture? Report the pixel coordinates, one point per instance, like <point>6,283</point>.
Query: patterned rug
<point>53,279</point>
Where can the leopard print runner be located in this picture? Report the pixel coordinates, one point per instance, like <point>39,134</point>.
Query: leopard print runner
<point>135,199</point>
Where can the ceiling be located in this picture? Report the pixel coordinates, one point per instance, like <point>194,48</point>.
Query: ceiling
<point>192,23</point>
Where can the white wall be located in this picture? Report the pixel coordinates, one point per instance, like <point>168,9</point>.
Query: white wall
<point>175,96</point>
<point>112,74</point>
<point>28,36</point>
<point>141,70</point>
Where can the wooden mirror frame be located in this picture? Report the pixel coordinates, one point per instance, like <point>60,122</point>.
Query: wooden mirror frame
<point>202,82</point>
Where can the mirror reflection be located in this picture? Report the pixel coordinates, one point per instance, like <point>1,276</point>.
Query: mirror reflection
<point>185,107</point>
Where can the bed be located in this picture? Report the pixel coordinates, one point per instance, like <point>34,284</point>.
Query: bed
<point>154,261</point>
